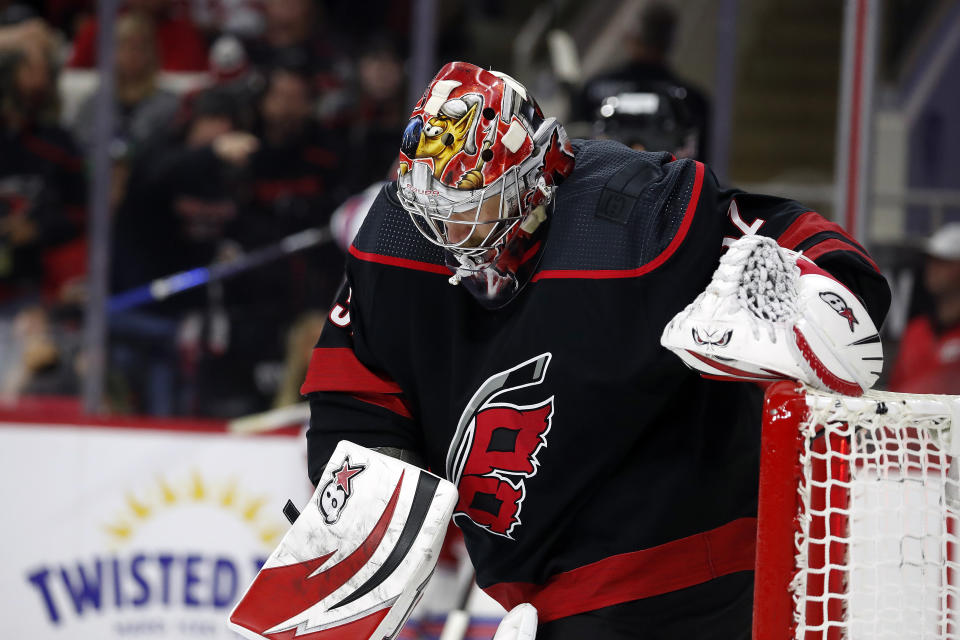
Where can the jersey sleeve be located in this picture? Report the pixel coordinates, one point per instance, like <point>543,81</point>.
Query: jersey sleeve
<point>796,227</point>
<point>351,397</point>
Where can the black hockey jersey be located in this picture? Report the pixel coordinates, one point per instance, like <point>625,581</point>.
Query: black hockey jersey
<point>593,467</point>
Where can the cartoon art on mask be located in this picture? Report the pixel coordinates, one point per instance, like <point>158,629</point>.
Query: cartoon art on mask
<point>456,129</point>
<point>446,134</point>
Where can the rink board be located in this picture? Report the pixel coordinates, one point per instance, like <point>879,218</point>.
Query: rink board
<point>115,532</point>
<point>153,530</point>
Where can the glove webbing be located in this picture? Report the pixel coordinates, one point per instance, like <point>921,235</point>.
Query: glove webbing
<point>768,283</point>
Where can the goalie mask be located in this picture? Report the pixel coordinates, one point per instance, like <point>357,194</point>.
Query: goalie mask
<point>479,165</point>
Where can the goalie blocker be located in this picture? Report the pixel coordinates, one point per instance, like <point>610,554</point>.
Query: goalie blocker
<point>356,560</point>
<point>770,313</point>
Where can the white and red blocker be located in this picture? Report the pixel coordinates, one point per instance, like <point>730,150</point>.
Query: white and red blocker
<point>770,313</point>
<point>356,560</point>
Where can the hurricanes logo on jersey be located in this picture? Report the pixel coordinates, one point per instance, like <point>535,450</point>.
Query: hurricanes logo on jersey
<point>495,449</point>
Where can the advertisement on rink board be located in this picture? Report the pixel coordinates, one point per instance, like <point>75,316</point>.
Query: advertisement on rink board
<point>113,532</point>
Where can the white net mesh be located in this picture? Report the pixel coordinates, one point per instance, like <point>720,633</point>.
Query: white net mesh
<point>877,529</point>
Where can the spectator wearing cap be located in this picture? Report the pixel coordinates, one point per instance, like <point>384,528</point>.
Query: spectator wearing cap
<point>230,77</point>
<point>181,45</point>
<point>140,107</point>
<point>228,60</point>
<point>929,356</point>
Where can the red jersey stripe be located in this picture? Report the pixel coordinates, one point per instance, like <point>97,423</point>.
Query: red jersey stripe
<point>394,261</point>
<point>809,224</point>
<point>827,246</point>
<point>337,369</point>
<point>393,403</point>
<point>639,574</point>
<point>806,225</point>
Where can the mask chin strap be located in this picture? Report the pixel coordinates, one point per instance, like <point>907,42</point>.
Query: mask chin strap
<point>455,278</point>
<point>543,195</point>
<point>468,267</point>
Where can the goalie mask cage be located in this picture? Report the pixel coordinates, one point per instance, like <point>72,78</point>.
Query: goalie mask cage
<point>858,517</point>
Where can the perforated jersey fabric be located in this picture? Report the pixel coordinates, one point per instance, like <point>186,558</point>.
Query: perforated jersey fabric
<point>651,193</point>
<point>388,231</point>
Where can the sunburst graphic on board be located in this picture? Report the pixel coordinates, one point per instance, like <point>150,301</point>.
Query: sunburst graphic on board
<point>164,496</point>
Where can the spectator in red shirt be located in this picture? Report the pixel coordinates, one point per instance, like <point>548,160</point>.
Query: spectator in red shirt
<point>181,45</point>
<point>929,356</point>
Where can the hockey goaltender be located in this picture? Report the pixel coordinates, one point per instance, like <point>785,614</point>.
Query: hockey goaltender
<point>501,352</point>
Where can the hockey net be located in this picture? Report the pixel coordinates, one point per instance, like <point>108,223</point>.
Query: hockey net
<point>858,517</point>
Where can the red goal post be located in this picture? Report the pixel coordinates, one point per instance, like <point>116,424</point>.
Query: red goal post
<point>857,520</point>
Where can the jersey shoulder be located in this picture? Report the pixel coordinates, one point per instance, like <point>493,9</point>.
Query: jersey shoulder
<point>620,208</point>
<point>387,233</point>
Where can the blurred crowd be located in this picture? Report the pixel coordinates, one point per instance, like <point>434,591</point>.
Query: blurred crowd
<point>278,111</point>
<point>236,124</point>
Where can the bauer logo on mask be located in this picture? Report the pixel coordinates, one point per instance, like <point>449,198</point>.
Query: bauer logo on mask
<point>334,495</point>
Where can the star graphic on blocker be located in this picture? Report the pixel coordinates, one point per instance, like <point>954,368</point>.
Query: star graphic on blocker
<point>344,476</point>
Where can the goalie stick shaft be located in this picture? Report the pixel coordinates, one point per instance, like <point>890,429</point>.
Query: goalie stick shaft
<point>295,414</point>
<point>458,620</point>
<point>163,288</point>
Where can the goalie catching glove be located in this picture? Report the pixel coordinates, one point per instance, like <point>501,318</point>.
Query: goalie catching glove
<point>357,558</point>
<point>770,313</point>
